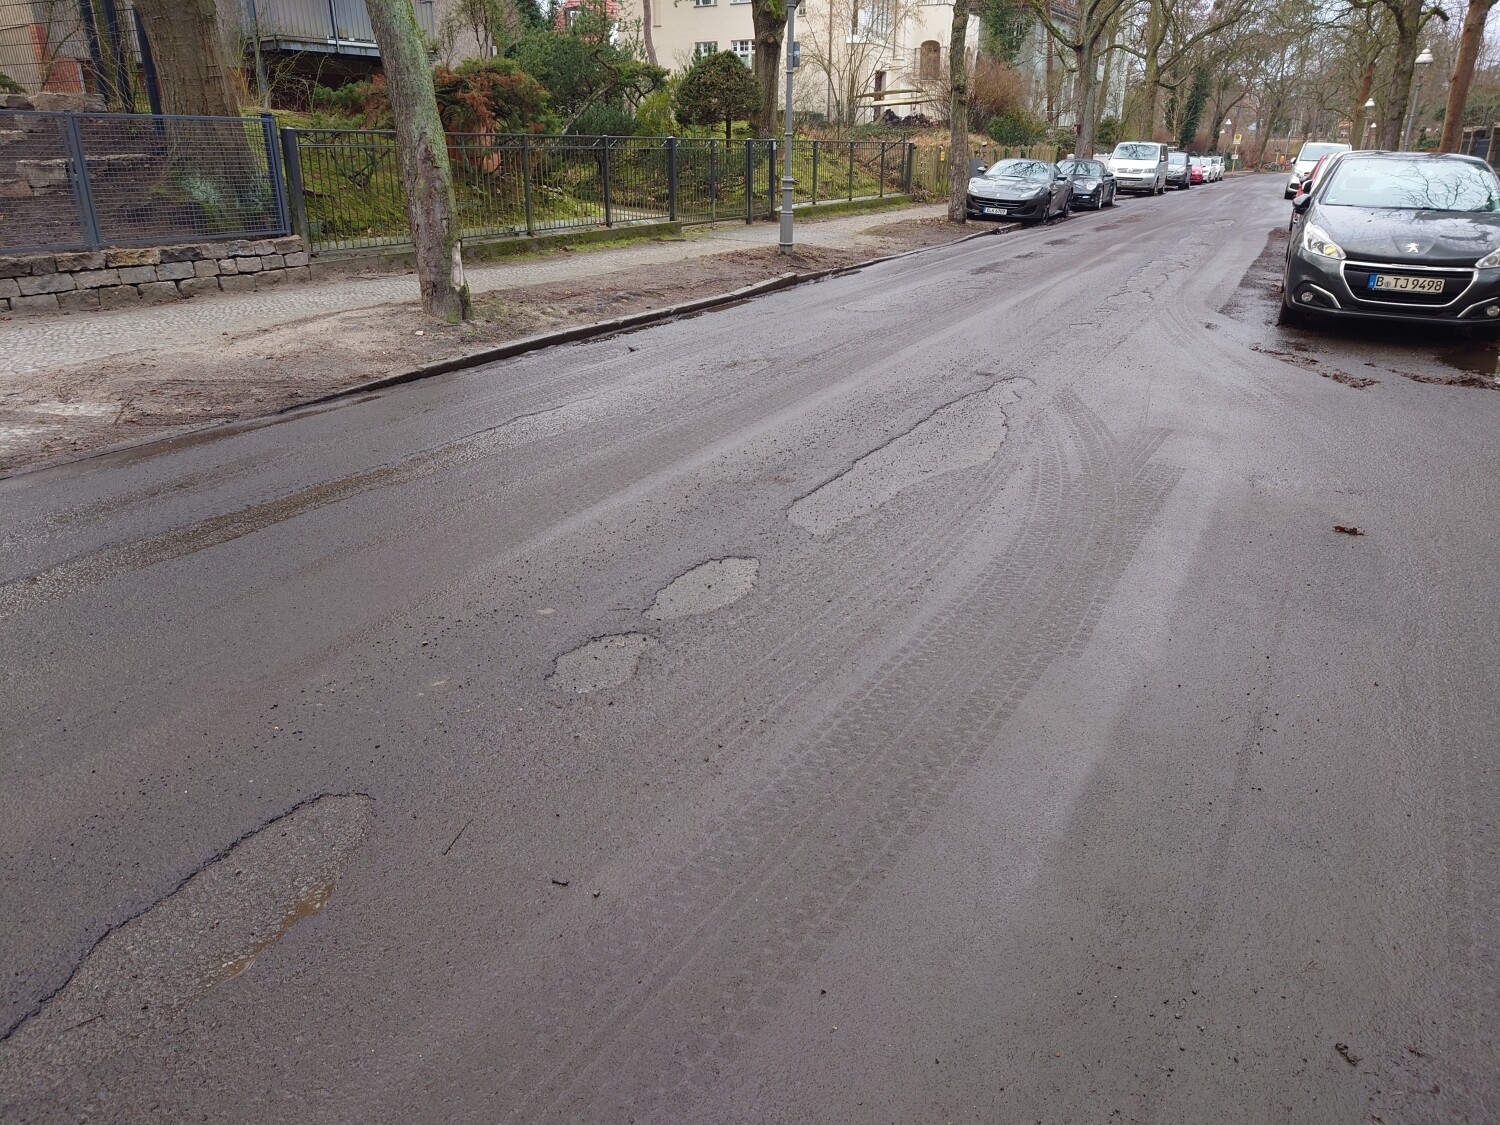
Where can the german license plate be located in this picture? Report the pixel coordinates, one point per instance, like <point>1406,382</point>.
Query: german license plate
<point>994,210</point>
<point>1400,283</point>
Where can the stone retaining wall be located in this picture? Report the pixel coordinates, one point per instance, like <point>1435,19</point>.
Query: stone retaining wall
<point>106,279</point>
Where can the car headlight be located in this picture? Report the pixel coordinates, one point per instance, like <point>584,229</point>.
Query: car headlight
<point>1088,185</point>
<point>1488,261</point>
<point>1315,240</point>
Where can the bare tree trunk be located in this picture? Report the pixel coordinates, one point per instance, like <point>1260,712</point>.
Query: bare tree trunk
<point>1470,42</point>
<point>1393,114</point>
<point>958,114</point>
<point>1086,108</point>
<point>189,57</point>
<point>1366,84</point>
<point>422,154</point>
<point>769,20</point>
<point>646,17</point>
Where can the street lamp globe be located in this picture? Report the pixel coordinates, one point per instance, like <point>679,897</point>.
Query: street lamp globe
<point>1370,105</point>
<point>1425,58</point>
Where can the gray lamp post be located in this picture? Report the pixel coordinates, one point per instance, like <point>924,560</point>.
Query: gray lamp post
<point>1364,142</point>
<point>787,182</point>
<point>1423,61</point>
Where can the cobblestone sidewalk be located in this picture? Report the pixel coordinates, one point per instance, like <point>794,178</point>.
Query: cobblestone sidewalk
<point>42,343</point>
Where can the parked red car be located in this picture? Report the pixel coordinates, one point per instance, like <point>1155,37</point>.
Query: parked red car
<point>1195,170</point>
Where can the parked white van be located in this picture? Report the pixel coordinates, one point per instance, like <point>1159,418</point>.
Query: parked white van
<point>1140,166</point>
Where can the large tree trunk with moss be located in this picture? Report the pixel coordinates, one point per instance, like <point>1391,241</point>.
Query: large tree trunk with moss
<point>223,159</point>
<point>1470,43</point>
<point>769,19</point>
<point>958,114</point>
<point>189,56</point>
<point>1408,18</point>
<point>422,155</point>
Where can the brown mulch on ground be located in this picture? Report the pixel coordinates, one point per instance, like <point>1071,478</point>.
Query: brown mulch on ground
<point>162,392</point>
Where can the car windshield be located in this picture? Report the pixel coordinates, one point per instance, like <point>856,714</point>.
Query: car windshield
<point>1081,168</point>
<point>1128,151</point>
<point>1021,169</point>
<point>1177,158</point>
<point>1413,185</point>
<point>1196,161</point>
<point>1312,152</point>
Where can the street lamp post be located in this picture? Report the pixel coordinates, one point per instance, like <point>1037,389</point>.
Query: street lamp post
<point>1422,61</point>
<point>787,182</point>
<point>1364,141</point>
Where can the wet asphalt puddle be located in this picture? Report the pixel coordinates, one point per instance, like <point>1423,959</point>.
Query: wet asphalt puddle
<point>1359,355</point>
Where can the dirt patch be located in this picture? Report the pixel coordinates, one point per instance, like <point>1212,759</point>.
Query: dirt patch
<point>1469,379</point>
<point>162,391</point>
<point>1259,292</point>
<point>1297,359</point>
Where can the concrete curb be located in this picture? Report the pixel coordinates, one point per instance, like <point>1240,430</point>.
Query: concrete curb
<point>508,350</point>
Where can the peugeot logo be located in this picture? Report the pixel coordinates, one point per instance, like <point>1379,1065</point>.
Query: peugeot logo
<point>1413,248</point>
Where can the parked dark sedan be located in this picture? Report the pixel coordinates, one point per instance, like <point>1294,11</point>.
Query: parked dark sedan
<point>1029,190</point>
<point>1179,171</point>
<point>1397,236</point>
<point>1093,183</point>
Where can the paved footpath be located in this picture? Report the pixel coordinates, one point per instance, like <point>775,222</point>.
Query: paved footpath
<point>59,341</point>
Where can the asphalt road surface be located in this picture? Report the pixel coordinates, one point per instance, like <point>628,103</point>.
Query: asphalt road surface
<point>938,693</point>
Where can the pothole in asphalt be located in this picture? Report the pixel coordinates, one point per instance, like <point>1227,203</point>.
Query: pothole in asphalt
<point>601,663</point>
<point>211,929</point>
<point>958,435</point>
<point>707,587</point>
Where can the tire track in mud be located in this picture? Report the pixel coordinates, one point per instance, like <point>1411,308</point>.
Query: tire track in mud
<point>1038,601</point>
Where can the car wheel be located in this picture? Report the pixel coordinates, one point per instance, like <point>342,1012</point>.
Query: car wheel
<point>1067,207</point>
<point>1096,201</point>
<point>1111,202</point>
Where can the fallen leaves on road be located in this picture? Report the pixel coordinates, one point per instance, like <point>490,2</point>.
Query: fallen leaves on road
<point>1349,1057</point>
<point>1347,529</point>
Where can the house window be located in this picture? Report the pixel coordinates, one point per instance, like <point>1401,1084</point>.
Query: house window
<point>739,1</point>
<point>930,61</point>
<point>744,48</point>
<point>704,3</point>
<point>703,50</point>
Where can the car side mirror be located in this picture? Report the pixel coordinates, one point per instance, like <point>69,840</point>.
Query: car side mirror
<point>1301,203</point>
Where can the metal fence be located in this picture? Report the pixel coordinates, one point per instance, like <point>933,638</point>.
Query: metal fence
<point>79,181</point>
<point>346,189</point>
<point>73,181</point>
<point>1482,141</point>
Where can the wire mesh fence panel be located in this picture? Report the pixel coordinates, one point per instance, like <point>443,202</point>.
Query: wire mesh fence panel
<point>74,180</point>
<point>176,179</point>
<point>39,200</point>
